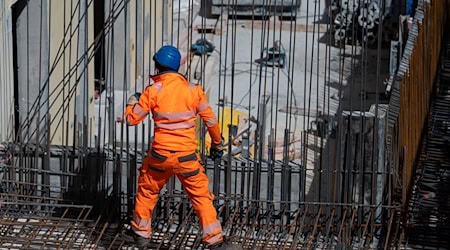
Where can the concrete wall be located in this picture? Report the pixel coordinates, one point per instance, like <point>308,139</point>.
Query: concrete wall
<point>137,32</point>
<point>55,72</point>
<point>359,157</point>
<point>55,65</point>
<point>6,72</point>
<point>32,62</point>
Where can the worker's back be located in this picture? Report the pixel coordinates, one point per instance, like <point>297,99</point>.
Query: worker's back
<point>174,109</point>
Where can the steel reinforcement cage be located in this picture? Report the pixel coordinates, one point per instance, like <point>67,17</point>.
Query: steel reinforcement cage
<point>84,208</point>
<point>52,196</point>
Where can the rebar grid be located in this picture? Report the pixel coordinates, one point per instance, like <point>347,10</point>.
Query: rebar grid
<point>52,219</point>
<point>428,221</point>
<point>256,225</point>
<point>36,222</point>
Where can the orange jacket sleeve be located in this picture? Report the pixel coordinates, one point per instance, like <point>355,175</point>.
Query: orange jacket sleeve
<point>136,113</point>
<point>209,118</point>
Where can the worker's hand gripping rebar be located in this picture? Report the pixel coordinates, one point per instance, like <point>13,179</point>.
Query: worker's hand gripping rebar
<point>216,150</point>
<point>132,100</point>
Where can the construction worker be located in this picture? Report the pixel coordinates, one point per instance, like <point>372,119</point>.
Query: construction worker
<point>174,103</point>
<point>275,56</point>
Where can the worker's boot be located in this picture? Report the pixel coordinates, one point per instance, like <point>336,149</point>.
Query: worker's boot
<point>133,239</point>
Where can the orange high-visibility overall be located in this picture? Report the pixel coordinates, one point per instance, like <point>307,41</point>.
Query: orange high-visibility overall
<point>175,104</point>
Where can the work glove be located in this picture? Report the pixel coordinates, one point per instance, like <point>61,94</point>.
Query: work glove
<point>132,100</point>
<point>216,150</point>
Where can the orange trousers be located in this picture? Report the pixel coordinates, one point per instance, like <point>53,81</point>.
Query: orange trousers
<point>154,173</point>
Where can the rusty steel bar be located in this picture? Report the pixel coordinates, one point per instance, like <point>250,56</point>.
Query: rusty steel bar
<point>416,85</point>
<point>307,228</point>
<point>428,204</point>
<point>411,94</point>
<point>254,224</point>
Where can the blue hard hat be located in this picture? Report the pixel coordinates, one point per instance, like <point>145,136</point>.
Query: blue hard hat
<point>168,56</point>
